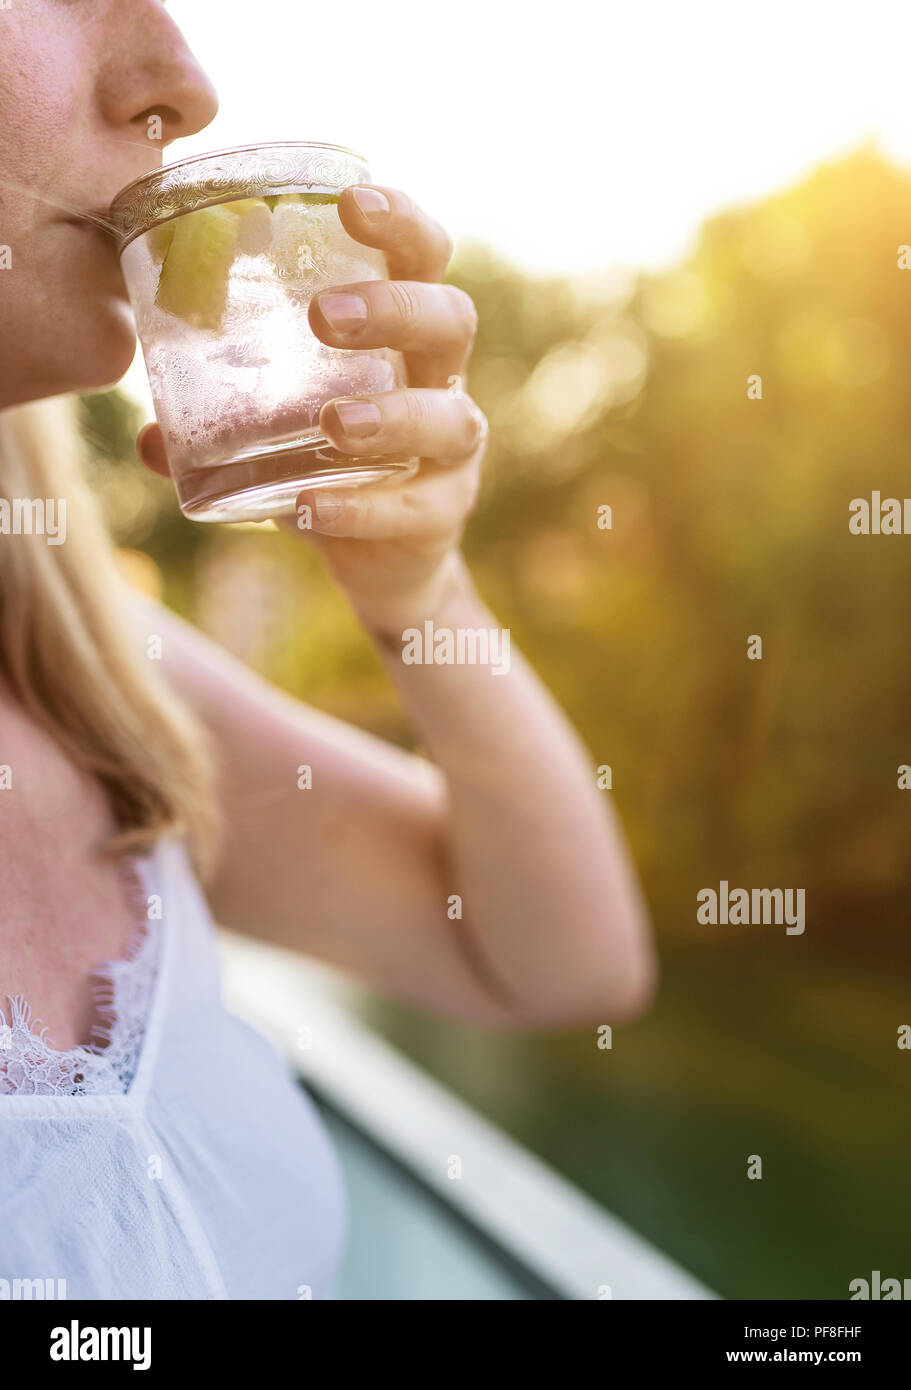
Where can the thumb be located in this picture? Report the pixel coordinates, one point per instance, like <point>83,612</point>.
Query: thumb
<point>151,450</point>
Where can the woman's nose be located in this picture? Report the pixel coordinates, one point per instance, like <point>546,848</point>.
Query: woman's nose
<point>150,71</point>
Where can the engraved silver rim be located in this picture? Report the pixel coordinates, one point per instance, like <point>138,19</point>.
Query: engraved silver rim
<point>221,176</point>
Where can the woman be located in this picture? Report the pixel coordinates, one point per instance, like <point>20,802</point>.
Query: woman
<point>151,1145</point>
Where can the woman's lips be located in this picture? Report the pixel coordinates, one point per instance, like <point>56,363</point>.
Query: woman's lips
<point>88,226</point>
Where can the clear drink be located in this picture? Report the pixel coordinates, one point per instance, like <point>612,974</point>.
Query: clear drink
<point>220,287</point>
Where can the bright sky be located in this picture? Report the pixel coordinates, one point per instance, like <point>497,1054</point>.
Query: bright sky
<point>568,134</point>
<point>574,136</point>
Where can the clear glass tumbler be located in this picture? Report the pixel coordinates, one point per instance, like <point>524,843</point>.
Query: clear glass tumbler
<point>221,254</point>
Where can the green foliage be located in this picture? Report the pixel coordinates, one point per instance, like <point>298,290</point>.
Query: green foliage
<point>730,517</point>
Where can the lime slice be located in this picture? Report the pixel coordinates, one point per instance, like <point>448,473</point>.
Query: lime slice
<point>274,199</point>
<point>159,240</point>
<point>243,206</point>
<point>194,277</point>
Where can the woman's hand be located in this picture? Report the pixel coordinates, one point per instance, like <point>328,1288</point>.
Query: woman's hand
<point>392,546</point>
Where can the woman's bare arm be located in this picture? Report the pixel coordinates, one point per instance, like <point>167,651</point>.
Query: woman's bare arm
<point>361,869</point>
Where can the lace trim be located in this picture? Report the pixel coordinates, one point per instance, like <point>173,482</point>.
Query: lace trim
<point>31,1066</point>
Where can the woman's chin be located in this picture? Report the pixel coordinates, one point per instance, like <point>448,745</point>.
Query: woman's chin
<point>106,350</point>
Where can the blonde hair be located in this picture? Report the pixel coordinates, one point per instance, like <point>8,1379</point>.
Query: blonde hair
<point>71,661</point>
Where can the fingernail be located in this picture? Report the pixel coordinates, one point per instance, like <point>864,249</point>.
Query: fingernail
<point>327,506</point>
<point>358,419</point>
<point>343,312</point>
<point>371,202</point>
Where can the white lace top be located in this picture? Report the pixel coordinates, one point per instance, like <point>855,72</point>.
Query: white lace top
<point>176,1156</point>
<point>31,1066</point>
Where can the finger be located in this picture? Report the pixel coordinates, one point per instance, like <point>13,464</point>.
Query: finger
<point>429,508</point>
<point>151,450</point>
<point>416,247</point>
<point>441,425</point>
<point>433,325</point>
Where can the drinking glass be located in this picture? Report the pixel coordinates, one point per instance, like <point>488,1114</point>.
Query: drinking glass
<point>221,254</point>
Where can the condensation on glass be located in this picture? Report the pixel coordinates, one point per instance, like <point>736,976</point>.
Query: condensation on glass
<point>222,254</point>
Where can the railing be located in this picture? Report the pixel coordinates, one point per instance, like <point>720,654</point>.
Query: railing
<point>536,1234</point>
